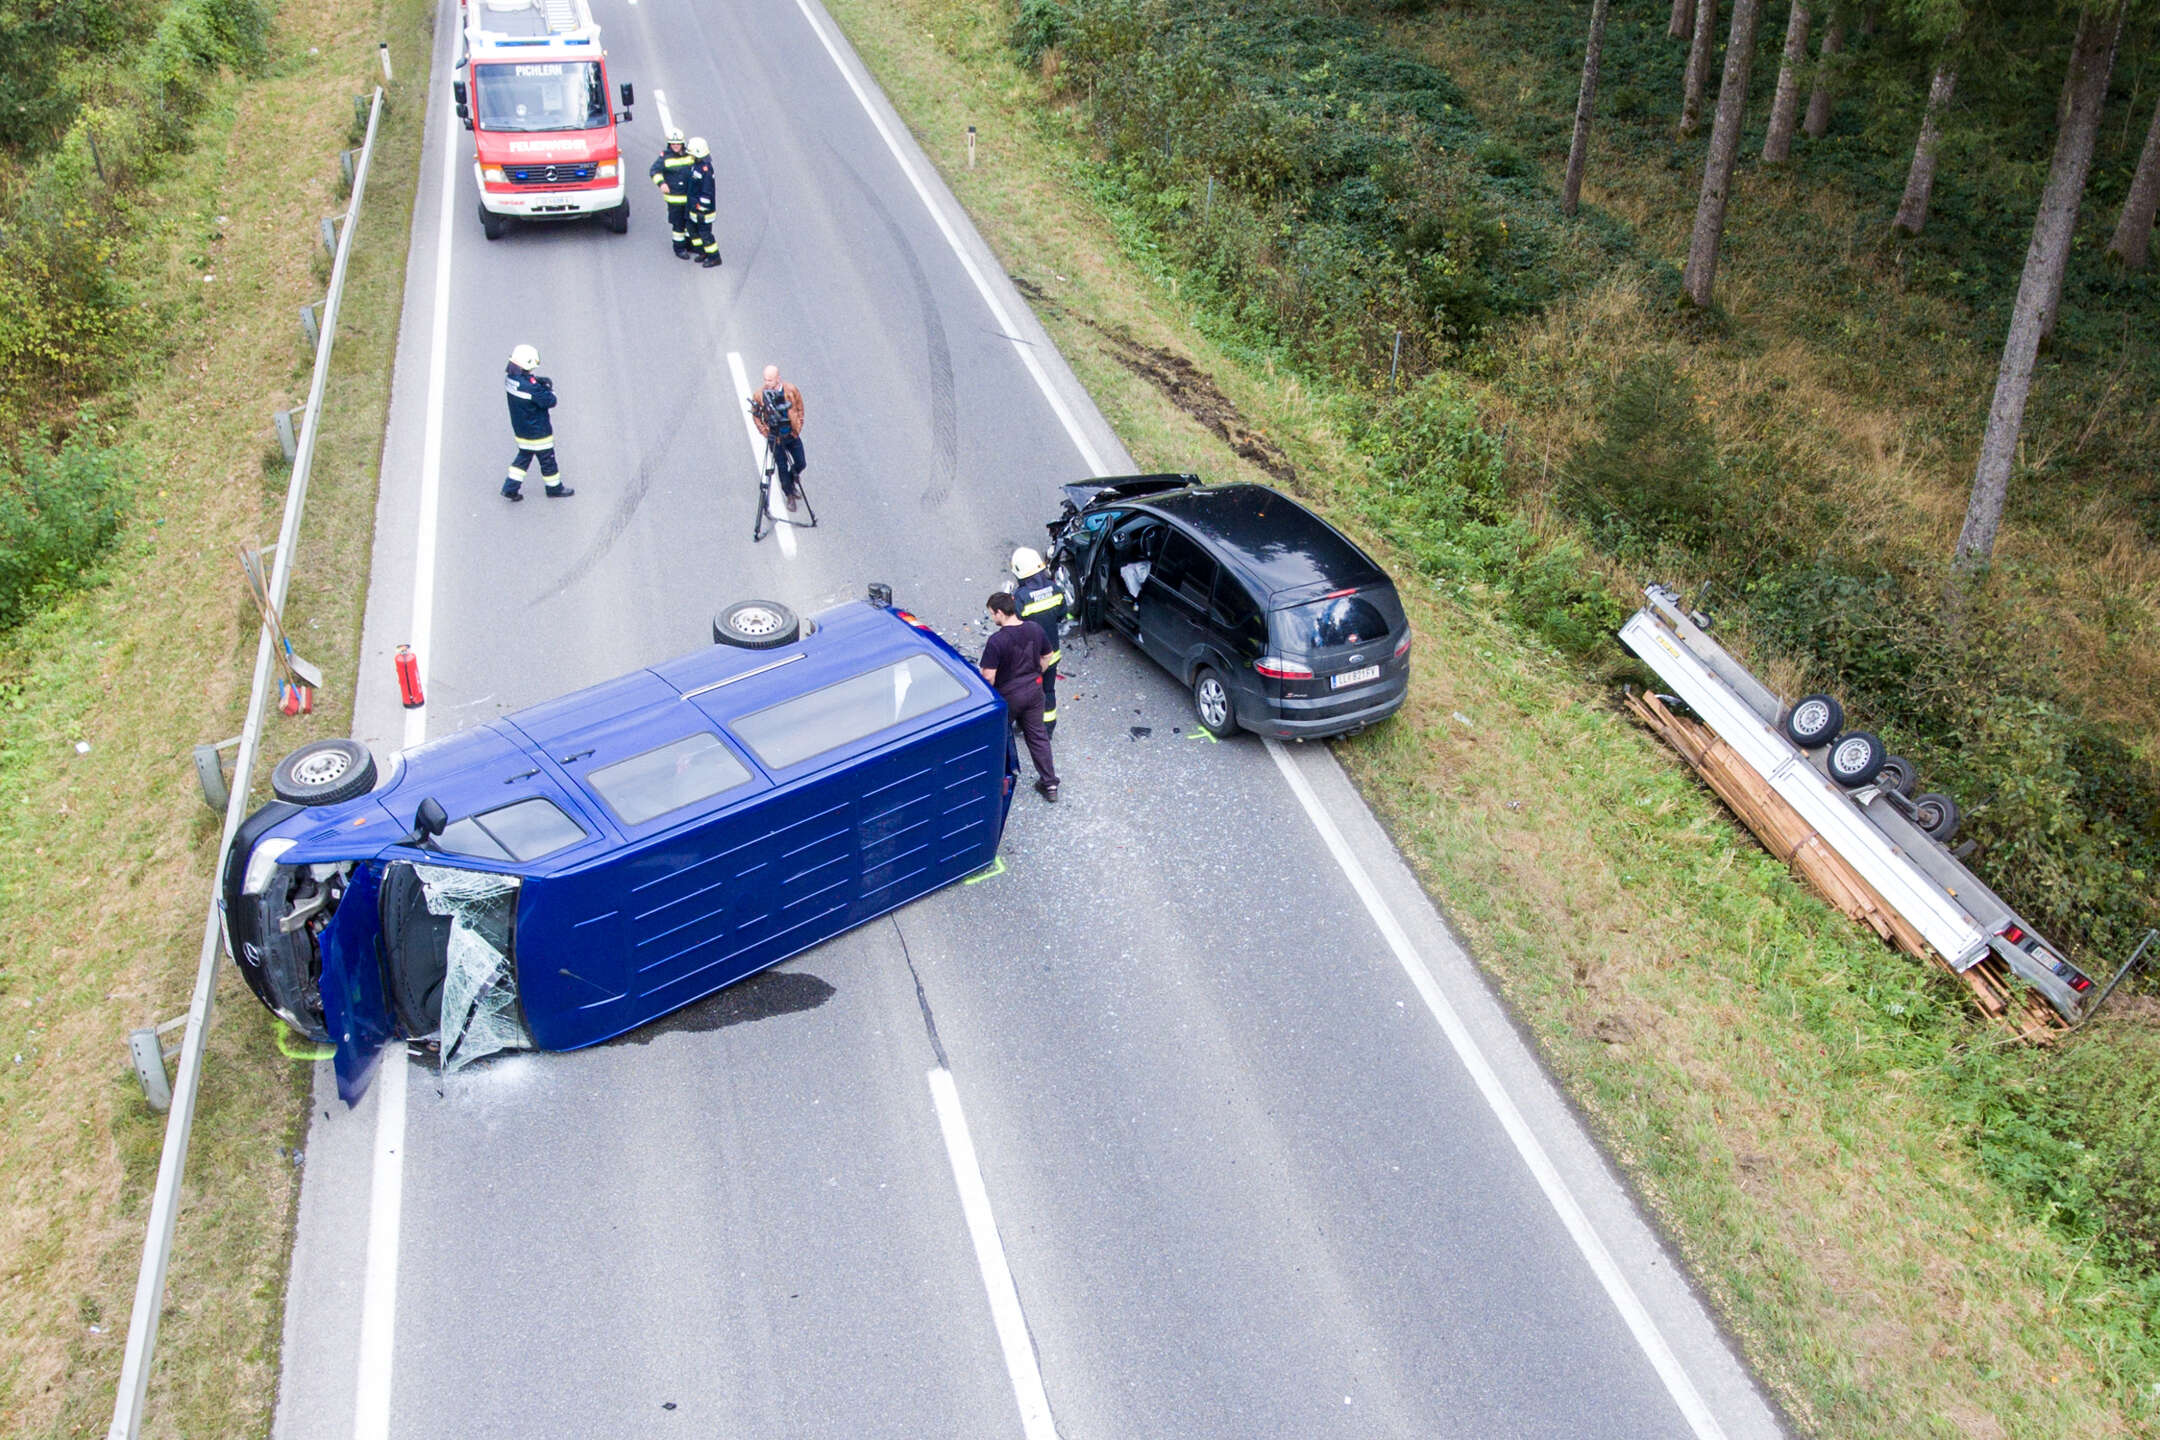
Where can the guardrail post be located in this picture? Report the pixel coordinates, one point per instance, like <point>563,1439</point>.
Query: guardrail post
<point>330,225</point>
<point>311,323</point>
<point>344,160</point>
<point>148,1053</point>
<point>285,437</point>
<point>360,112</point>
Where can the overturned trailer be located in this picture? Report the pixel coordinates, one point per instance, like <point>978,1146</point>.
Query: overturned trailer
<point>1842,812</point>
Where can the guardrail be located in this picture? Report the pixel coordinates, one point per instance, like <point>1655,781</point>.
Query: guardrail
<point>165,1199</point>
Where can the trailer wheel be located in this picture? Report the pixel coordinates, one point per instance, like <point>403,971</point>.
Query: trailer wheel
<point>756,625</point>
<point>324,772</point>
<point>1898,774</point>
<point>1856,758</point>
<point>491,224</point>
<point>1813,721</point>
<point>1936,815</point>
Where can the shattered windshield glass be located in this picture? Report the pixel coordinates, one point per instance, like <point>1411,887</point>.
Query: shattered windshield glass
<point>479,991</point>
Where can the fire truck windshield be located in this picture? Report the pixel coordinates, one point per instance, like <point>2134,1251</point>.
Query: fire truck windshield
<point>558,95</point>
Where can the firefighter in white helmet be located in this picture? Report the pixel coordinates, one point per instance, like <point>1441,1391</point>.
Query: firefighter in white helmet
<point>671,173</point>
<point>531,396</point>
<point>703,201</point>
<point>1043,602</point>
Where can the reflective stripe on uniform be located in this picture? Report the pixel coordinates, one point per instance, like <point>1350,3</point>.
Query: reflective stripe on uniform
<point>1054,656</point>
<point>1050,601</point>
<point>544,442</point>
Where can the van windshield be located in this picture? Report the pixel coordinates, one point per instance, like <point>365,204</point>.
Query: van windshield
<point>854,709</point>
<point>1325,624</point>
<point>562,95</point>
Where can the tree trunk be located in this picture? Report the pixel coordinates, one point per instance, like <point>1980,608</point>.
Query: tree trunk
<point>1683,18</point>
<point>1912,211</point>
<point>1585,102</point>
<point>2133,232</point>
<point>1701,274</point>
<point>1785,106</point>
<point>1824,94</point>
<point>1698,65</point>
<point>2092,57</point>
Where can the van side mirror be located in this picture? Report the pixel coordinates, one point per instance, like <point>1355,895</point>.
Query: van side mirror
<point>457,92</point>
<point>430,821</point>
<point>627,98</point>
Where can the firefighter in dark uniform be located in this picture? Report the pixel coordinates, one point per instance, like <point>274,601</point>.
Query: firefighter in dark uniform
<point>703,201</point>
<point>1043,602</point>
<point>531,397</point>
<point>671,173</point>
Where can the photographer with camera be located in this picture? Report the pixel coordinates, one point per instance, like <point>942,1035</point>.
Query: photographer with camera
<point>777,410</point>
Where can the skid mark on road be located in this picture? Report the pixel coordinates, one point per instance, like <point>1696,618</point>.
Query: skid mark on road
<point>944,413</point>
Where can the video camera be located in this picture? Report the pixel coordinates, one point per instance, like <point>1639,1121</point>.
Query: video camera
<point>778,422</point>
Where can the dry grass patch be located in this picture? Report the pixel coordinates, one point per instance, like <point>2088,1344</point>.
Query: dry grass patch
<point>105,856</point>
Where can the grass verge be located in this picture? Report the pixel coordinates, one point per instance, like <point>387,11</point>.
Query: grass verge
<point>105,854</point>
<point>1806,1113</point>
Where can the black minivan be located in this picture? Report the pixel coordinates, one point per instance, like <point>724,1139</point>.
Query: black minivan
<point>1278,623</point>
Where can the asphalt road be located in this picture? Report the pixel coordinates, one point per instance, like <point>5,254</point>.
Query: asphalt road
<point>1230,1083</point>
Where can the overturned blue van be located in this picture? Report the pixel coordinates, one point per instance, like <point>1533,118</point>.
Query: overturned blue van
<point>574,870</point>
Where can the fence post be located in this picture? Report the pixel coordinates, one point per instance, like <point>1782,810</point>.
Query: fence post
<point>1396,363</point>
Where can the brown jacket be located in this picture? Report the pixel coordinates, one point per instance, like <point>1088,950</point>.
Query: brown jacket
<point>794,405</point>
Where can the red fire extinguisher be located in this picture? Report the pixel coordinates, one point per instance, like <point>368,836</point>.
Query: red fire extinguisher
<point>408,678</point>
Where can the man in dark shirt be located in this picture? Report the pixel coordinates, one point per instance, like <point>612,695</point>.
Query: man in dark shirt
<point>1013,662</point>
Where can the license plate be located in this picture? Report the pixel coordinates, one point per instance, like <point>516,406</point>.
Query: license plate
<point>1355,677</point>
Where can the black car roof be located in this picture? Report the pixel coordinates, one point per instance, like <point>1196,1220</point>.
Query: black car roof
<point>1278,543</point>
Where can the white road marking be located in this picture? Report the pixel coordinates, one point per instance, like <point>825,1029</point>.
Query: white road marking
<point>659,99</point>
<point>1632,1311</point>
<point>386,1201</point>
<point>1035,1421</point>
<point>386,1197</point>
<point>1005,324</point>
<point>775,498</point>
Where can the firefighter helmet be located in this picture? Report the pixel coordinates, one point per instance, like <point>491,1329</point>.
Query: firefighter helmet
<point>1026,562</point>
<point>698,147</point>
<point>525,357</point>
<point>674,136</point>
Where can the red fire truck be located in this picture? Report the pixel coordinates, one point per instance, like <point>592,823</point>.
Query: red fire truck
<point>534,92</point>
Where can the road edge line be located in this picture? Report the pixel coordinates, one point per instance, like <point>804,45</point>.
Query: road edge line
<point>1633,1313</point>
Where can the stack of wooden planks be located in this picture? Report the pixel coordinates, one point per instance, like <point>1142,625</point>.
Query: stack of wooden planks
<point>1787,836</point>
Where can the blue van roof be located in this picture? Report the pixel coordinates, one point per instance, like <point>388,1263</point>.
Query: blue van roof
<point>524,753</point>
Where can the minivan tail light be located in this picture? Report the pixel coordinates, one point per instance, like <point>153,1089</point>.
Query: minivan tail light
<point>1277,668</point>
<point>1402,646</point>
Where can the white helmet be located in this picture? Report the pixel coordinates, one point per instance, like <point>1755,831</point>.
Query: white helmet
<point>674,136</point>
<point>698,147</point>
<point>1026,562</point>
<point>525,357</point>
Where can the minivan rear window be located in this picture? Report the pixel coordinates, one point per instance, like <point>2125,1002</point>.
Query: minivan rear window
<point>645,787</point>
<point>1325,624</point>
<point>854,709</point>
<point>521,831</point>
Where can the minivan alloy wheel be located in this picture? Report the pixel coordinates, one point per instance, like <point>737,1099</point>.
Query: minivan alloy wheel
<point>1212,703</point>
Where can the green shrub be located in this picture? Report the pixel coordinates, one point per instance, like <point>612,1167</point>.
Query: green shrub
<point>1038,28</point>
<point>1653,473</point>
<point>59,510</point>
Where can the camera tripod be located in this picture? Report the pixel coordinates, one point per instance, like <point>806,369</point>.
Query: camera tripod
<point>765,515</point>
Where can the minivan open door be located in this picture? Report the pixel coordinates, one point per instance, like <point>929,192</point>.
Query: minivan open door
<point>355,1010</point>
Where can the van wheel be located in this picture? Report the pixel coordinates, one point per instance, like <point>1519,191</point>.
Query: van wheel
<point>1813,721</point>
<point>1855,759</point>
<point>618,219</point>
<point>1936,815</point>
<point>756,625</point>
<point>1217,712</point>
<point>324,772</point>
<point>491,224</point>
